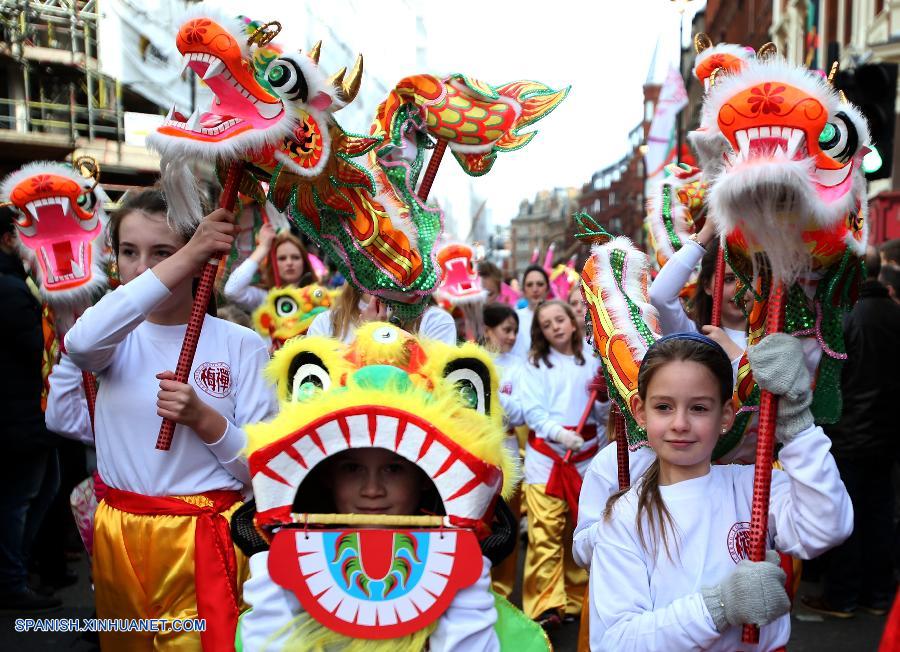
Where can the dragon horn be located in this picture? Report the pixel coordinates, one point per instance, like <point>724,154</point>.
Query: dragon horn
<point>766,51</point>
<point>834,71</point>
<point>315,51</point>
<point>351,85</point>
<point>702,42</point>
<point>88,167</point>
<point>337,79</point>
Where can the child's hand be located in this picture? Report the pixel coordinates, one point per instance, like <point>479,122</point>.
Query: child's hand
<point>375,310</point>
<point>214,236</point>
<point>719,336</point>
<point>753,594</point>
<point>568,439</point>
<point>778,367</point>
<point>178,402</point>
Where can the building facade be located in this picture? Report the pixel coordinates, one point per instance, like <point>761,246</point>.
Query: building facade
<point>540,222</point>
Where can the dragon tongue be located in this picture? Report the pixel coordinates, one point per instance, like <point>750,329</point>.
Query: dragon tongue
<point>376,552</point>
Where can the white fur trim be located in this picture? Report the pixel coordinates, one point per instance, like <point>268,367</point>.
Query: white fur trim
<point>635,282</point>
<point>175,147</point>
<point>400,219</point>
<point>739,51</point>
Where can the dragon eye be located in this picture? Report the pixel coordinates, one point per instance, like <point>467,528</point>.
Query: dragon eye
<point>86,201</point>
<point>285,306</point>
<point>468,394</point>
<point>287,79</point>
<point>309,379</point>
<point>471,387</point>
<point>306,376</point>
<point>839,139</point>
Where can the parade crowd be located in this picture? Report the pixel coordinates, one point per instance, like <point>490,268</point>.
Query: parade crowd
<point>661,565</point>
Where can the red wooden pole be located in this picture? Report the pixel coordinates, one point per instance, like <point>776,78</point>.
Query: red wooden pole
<point>621,447</point>
<point>201,301</point>
<point>90,392</point>
<point>765,446</point>
<point>431,170</point>
<point>718,287</point>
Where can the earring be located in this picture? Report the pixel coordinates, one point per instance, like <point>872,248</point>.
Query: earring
<point>724,430</point>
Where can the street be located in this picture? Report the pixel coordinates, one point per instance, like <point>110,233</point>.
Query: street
<point>810,633</point>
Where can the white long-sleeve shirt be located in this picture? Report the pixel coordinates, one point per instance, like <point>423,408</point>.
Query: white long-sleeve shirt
<point>645,602</point>
<point>239,288</point>
<point>600,482</point>
<point>667,285</point>
<point>114,340</point>
<point>511,370</point>
<point>554,398</point>
<point>67,409</point>
<point>436,324</point>
<point>468,623</point>
<point>523,338</point>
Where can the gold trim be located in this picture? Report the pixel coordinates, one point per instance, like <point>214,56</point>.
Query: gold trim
<point>384,520</point>
<point>263,35</point>
<point>702,42</point>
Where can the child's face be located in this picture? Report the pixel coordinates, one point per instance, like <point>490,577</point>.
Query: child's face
<point>375,481</point>
<point>731,312</point>
<point>503,335</point>
<point>144,241</point>
<point>684,417</point>
<point>557,327</point>
<point>576,301</point>
<point>290,262</point>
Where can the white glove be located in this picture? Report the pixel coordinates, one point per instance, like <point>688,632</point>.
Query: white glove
<point>778,366</point>
<point>568,439</point>
<point>753,594</point>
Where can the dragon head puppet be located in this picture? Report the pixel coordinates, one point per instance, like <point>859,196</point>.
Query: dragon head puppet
<point>433,405</point>
<point>791,183</point>
<point>353,195</point>
<point>59,223</point>
<point>289,311</point>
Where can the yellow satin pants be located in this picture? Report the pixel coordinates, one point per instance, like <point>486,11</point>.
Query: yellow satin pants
<point>144,568</point>
<point>553,581</point>
<point>503,576</point>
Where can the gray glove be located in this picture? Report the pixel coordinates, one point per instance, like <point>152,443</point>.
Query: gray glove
<point>753,594</point>
<point>778,366</point>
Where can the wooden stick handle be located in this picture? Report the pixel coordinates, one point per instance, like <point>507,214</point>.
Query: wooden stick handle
<point>621,434</point>
<point>765,447</point>
<point>198,310</point>
<point>382,520</point>
<point>718,287</point>
<point>90,393</point>
<point>431,170</point>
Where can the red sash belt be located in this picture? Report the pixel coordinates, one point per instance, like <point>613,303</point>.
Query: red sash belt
<point>565,481</point>
<point>215,564</point>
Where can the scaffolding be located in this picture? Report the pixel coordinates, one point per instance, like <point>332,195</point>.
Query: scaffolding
<point>61,90</point>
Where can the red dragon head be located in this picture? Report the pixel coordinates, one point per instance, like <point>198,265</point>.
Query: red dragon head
<point>791,182</point>
<point>60,218</point>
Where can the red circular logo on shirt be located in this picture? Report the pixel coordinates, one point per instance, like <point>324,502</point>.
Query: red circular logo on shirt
<point>214,378</point>
<point>739,541</point>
